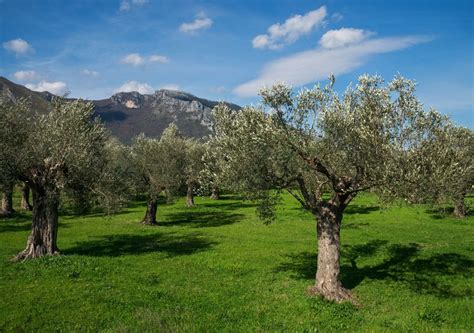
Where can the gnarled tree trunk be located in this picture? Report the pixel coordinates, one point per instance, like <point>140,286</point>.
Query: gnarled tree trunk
<point>150,214</point>
<point>25,198</point>
<point>44,233</point>
<point>190,196</point>
<point>459,207</point>
<point>7,202</point>
<point>215,193</point>
<point>328,283</point>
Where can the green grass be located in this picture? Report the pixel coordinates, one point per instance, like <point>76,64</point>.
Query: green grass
<point>217,268</point>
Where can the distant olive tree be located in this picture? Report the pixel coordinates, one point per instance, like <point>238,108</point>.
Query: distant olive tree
<point>15,127</point>
<point>159,165</point>
<point>447,161</point>
<point>324,149</point>
<point>193,166</point>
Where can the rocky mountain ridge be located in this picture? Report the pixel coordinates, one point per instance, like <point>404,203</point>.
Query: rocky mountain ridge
<point>127,114</point>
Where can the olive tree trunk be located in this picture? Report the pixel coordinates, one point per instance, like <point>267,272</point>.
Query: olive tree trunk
<point>215,193</point>
<point>190,196</point>
<point>459,207</point>
<point>7,202</point>
<point>44,233</point>
<point>150,214</point>
<point>25,198</point>
<point>328,283</point>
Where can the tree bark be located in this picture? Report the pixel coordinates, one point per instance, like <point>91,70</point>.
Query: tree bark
<point>328,283</point>
<point>190,196</point>
<point>215,193</point>
<point>7,202</point>
<point>459,208</point>
<point>150,214</point>
<point>25,198</point>
<point>44,233</point>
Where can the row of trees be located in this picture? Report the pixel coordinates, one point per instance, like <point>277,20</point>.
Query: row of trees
<point>68,153</point>
<point>375,136</point>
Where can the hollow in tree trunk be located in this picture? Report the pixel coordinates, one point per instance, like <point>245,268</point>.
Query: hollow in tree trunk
<point>459,207</point>
<point>7,202</point>
<point>44,232</point>
<point>190,196</point>
<point>25,198</point>
<point>150,214</point>
<point>215,193</point>
<point>328,283</point>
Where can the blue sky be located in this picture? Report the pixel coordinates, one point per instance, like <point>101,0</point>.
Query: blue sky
<point>225,50</point>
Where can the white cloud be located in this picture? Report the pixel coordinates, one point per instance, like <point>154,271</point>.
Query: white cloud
<point>158,58</point>
<point>135,59</point>
<point>279,35</point>
<point>88,72</point>
<point>129,86</point>
<point>126,5</point>
<point>201,22</point>
<point>57,88</point>
<point>25,75</point>
<point>309,66</point>
<point>18,46</point>
<point>170,86</point>
<point>343,37</point>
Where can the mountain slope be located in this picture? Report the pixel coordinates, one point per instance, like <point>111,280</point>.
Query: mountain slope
<point>127,114</point>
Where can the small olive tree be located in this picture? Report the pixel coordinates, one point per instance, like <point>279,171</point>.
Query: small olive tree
<point>159,165</point>
<point>318,142</point>
<point>64,148</point>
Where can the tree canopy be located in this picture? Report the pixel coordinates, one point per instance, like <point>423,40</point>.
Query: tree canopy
<point>318,142</point>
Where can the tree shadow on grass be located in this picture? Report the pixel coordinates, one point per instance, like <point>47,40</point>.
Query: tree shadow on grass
<point>360,209</point>
<point>120,245</point>
<point>228,205</point>
<point>200,219</point>
<point>19,221</point>
<point>440,213</point>
<point>402,264</point>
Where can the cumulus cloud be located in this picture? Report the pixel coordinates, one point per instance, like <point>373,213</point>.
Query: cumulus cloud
<point>25,75</point>
<point>279,35</point>
<point>18,46</point>
<point>57,88</point>
<point>200,23</point>
<point>88,72</point>
<point>126,5</point>
<point>135,59</point>
<point>309,66</point>
<point>343,37</point>
<point>129,86</point>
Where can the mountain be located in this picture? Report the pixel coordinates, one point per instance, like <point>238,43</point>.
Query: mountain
<point>127,114</point>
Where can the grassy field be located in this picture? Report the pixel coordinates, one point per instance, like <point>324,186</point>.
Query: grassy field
<point>217,268</point>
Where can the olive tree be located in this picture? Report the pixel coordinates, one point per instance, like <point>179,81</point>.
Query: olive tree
<point>15,127</point>
<point>160,167</point>
<point>64,148</point>
<point>194,165</point>
<point>447,160</point>
<point>317,142</point>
